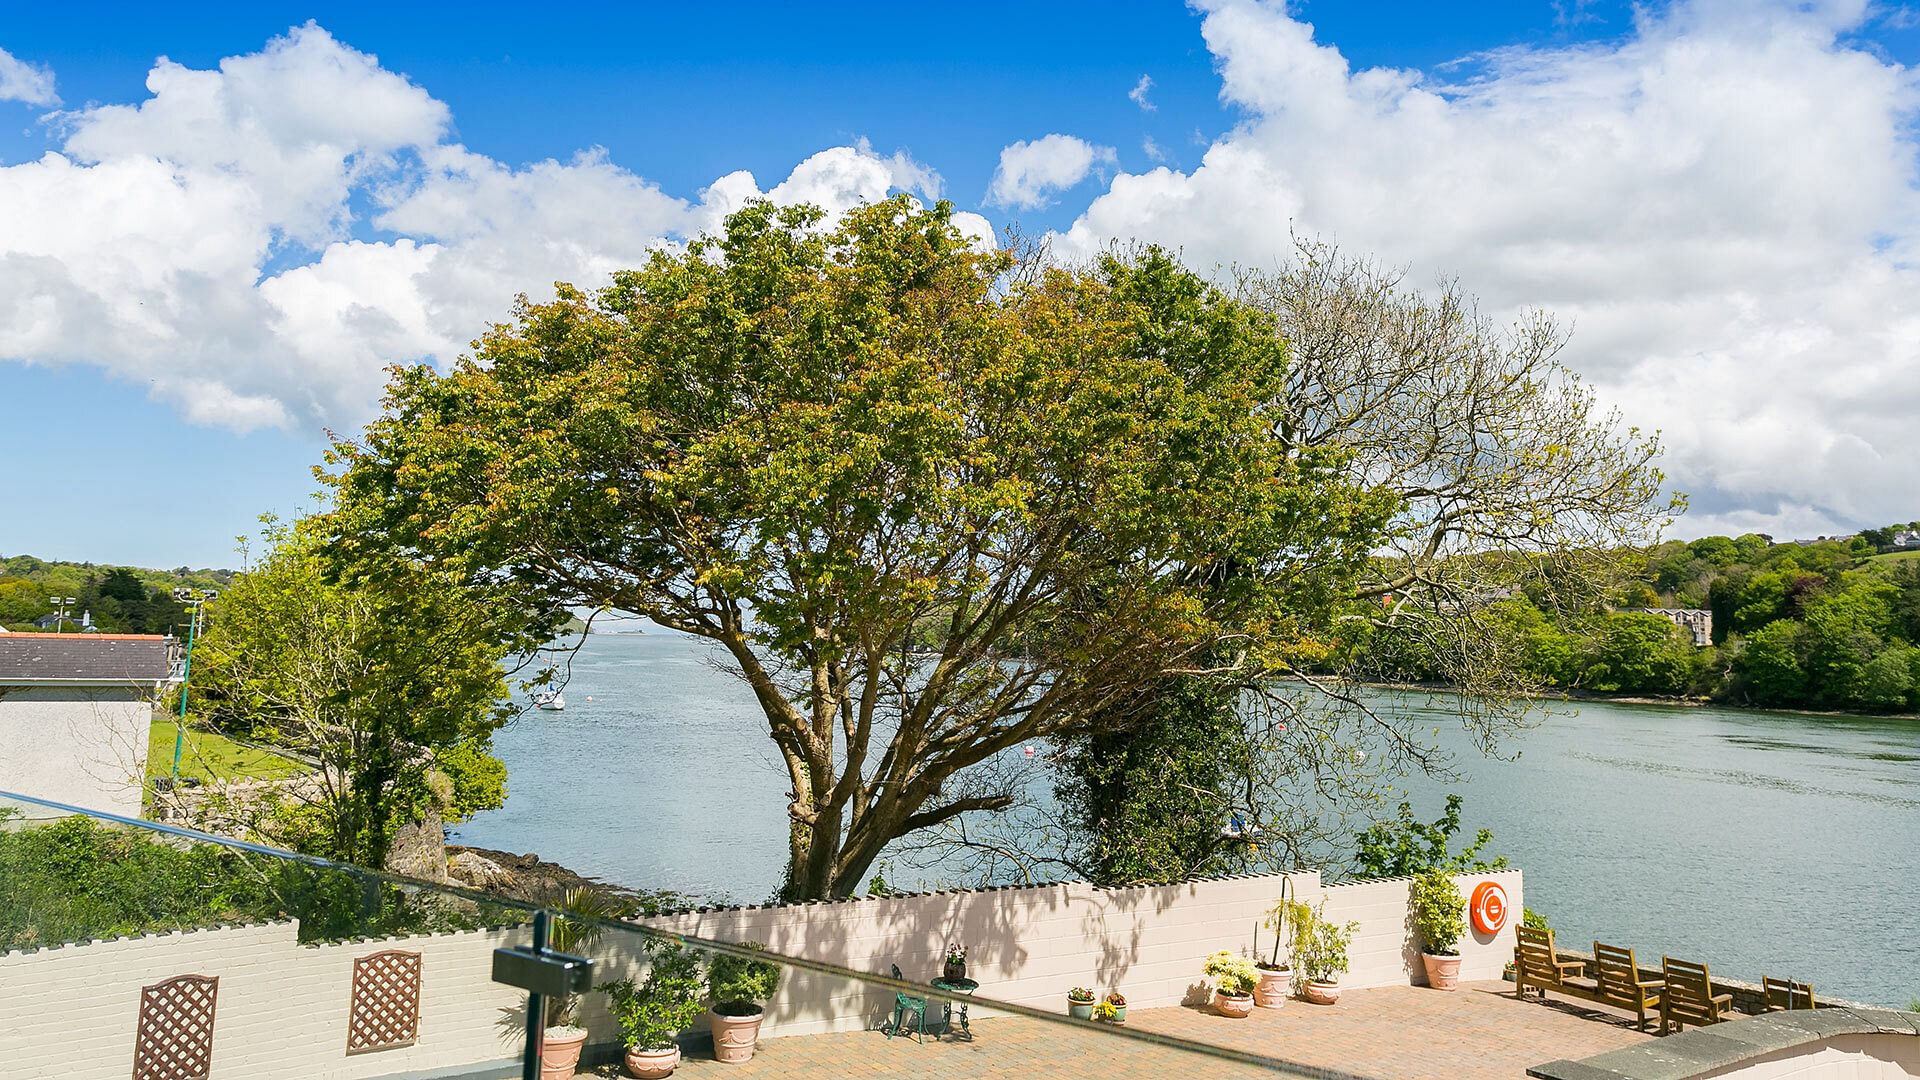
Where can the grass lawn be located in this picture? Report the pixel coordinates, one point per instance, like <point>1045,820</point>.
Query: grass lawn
<point>207,756</point>
<point>1895,556</point>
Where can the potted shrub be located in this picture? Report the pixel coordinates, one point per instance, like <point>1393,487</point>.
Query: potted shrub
<point>654,1014</point>
<point>955,968</point>
<point>1116,1004</point>
<point>1439,917</point>
<point>737,985</point>
<point>1234,978</point>
<point>1286,920</point>
<point>1080,1003</point>
<point>1322,955</point>
<point>577,928</point>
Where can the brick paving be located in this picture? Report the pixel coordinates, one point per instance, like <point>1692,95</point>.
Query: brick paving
<point>1391,1033</point>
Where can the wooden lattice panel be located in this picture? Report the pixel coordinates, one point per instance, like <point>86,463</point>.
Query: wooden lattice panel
<point>174,1040</point>
<point>386,1002</point>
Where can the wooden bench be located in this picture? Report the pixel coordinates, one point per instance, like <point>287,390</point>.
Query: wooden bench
<point>1785,994</point>
<point>1688,996</point>
<point>1537,965</point>
<point>1617,979</point>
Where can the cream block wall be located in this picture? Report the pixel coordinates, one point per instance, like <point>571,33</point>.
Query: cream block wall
<point>1030,946</point>
<point>282,1008</point>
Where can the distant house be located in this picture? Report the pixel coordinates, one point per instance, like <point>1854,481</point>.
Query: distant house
<point>1904,539</point>
<point>1697,621</point>
<point>54,621</point>
<point>74,716</point>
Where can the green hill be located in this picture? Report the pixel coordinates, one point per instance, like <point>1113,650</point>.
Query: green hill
<point>121,599</point>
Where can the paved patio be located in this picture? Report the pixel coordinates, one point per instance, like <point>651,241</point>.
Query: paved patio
<point>1389,1033</point>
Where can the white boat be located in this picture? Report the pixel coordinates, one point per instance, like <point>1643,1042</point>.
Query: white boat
<point>549,699</point>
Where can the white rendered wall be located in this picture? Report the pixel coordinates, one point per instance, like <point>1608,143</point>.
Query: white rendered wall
<point>1843,1057</point>
<point>87,747</point>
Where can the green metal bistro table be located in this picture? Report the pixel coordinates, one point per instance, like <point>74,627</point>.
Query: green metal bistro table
<point>956,986</point>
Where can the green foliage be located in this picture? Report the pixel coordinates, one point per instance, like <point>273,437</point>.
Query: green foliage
<point>665,1004</point>
<point>1814,625</point>
<point>1069,482</point>
<point>1635,652</point>
<point>1405,847</point>
<point>121,599</point>
<point>1233,975</point>
<point>78,880</point>
<point>582,912</point>
<point>1533,919</point>
<point>1150,784</point>
<point>734,983</point>
<point>393,680</point>
<point>1286,920</point>
<point>1439,911</point>
<point>1321,951</point>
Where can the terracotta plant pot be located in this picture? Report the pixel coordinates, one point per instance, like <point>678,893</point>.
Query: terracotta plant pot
<point>734,1037</point>
<point>560,1052</point>
<point>1275,986</point>
<point>1231,1004</point>
<point>1443,972</point>
<point>652,1064</point>
<point>1322,993</point>
<point>1080,1010</point>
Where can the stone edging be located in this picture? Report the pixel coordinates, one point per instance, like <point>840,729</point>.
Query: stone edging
<point>1700,1051</point>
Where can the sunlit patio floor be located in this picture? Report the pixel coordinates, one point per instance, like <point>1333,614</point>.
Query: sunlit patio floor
<point>1393,1033</point>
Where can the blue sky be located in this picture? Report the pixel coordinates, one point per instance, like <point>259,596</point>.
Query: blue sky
<point>109,461</point>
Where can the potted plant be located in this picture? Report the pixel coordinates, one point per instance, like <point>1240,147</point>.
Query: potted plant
<point>737,985</point>
<point>1439,917</point>
<point>1286,919</point>
<point>1234,978</point>
<point>1116,1004</point>
<point>654,1014</point>
<point>955,968</point>
<point>1322,955</point>
<point>1080,1003</point>
<point>577,928</point>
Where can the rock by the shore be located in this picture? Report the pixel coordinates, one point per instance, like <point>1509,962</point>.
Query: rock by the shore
<point>518,877</point>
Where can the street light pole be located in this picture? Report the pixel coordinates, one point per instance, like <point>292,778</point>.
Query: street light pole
<point>198,604</point>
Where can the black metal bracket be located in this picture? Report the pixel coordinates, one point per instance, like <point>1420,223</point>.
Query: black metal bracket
<point>542,973</point>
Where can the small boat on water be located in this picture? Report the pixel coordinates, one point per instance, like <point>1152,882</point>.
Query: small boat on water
<point>549,699</point>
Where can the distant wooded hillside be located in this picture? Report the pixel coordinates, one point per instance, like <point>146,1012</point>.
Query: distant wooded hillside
<point>120,599</point>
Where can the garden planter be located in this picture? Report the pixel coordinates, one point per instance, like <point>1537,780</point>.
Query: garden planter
<point>1079,1010</point>
<point>1275,985</point>
<point>954,971</point>
<point>1232,1004</point>
<point>734,1037</point>
<point>1443,972</point>
<point>1119,1015</point>
<point>652,1064</point>
<point>1322,993</point>
<point>560,1052</point>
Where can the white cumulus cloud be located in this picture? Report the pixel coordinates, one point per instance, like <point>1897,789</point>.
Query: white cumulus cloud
<point>1031,172</point>
<point>1721,203</point>
<point>21,81</point>
<point>209,242</point>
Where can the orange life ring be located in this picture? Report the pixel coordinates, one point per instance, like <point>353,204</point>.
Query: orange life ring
<point>1489,907</point>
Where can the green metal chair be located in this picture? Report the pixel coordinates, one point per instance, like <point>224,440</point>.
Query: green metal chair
<point>905,1005</point>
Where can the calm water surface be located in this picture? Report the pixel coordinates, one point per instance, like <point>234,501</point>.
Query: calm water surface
<point>1769,843</point>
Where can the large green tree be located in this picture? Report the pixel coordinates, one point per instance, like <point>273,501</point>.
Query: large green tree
<point>814,444</point>
<point>393,684</point>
